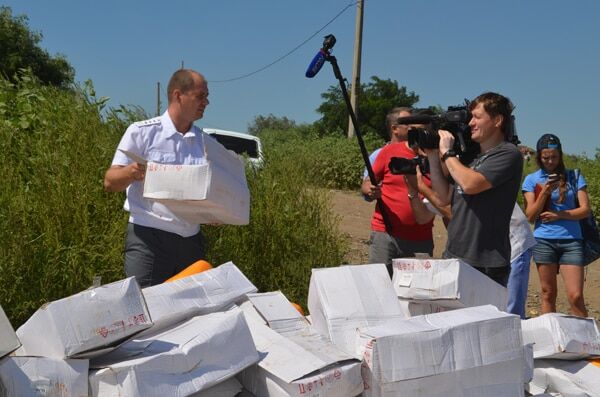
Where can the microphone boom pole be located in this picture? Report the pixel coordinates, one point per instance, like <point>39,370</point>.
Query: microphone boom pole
<point>363,150</point>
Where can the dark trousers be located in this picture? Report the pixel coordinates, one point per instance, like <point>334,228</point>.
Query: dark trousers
<point>498,274</point>
<point>153,255</point>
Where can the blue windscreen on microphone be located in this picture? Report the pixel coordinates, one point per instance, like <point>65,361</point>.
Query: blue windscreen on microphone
<point>316,64</point>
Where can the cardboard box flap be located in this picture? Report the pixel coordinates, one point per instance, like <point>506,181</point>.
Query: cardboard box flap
<point>183,360</point>
<point>202,293</point>
<point>217,153</point>
<point>90,320</point>
<point>300,332</point>
<point>8,337</point>
<point>283,357</point>
<point>362,291</point>
<point>569,378</point>
<point>341,299</point>
<point>278,312</point>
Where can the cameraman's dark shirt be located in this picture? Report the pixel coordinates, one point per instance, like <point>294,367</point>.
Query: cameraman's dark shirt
<point>479,230</point>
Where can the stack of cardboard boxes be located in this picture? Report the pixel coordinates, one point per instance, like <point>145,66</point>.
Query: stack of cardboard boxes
<point>213,335</point>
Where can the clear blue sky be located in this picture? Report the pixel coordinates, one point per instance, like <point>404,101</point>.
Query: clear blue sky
<point>543,54</point>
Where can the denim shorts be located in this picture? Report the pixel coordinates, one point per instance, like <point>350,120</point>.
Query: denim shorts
<point>559,251</point>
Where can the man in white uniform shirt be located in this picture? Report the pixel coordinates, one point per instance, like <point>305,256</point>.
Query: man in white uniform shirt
<point>159,244</point>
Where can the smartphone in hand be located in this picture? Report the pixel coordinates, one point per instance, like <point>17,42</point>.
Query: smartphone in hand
<point>553,178</point>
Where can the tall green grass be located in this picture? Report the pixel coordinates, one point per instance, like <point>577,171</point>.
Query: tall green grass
<point>57,226</point>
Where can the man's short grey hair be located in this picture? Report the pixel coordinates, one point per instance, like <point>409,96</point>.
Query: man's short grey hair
<point>393,115</point>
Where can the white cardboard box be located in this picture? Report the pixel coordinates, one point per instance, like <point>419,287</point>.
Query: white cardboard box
<point>300,363</point>
<point>43,376</point>
<point>342,299</point>
<point>556,335</point>
<point>8,338</point>
<point>202,293</point>
<point>214,192</point>
<point>186,359</point>
<point>84,324</point>
<point>450,282</point>
<point>569,378</point>
<point>441,343</point>
<point>467,352</point>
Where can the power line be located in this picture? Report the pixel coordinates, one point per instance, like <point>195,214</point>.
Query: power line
<point>289,52</point>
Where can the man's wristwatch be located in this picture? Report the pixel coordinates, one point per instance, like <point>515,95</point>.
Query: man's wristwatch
<point>449,153</point>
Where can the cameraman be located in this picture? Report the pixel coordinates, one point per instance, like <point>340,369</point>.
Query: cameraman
<point>411,221</point>
<point>483,194</point>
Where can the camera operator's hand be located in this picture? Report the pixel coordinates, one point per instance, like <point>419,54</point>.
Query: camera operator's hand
<point>446,141</point>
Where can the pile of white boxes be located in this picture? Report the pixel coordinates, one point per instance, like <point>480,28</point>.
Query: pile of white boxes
<point>213,335</point>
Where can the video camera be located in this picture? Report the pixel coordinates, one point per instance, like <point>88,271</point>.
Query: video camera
<point>402,166</point>
<point>455,120</point>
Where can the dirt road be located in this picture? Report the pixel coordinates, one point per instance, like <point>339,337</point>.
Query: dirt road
<point>355,218</point>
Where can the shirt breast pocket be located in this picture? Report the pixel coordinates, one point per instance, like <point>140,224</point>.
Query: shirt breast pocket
<point>161,157</point>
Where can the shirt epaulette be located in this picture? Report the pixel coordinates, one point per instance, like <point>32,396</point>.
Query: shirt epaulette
<point>144,123</point>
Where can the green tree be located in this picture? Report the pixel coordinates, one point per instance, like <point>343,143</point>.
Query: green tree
<point>375,99</point>
<point>270,122</point>
<point>19,49</point>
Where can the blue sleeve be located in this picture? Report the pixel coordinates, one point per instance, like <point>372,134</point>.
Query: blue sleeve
<point>372,159</point>
<point>581,183</point>
<point>529,183</point>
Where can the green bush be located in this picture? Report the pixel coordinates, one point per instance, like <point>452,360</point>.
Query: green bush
<point>57,227</point>
<point>329,162</point>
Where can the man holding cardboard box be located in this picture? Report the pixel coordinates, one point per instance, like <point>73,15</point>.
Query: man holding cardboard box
<point>159,244</point>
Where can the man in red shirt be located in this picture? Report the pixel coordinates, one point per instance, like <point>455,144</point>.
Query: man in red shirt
<point>411,221</point>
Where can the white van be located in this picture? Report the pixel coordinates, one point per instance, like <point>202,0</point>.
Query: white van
<point>242,144</point>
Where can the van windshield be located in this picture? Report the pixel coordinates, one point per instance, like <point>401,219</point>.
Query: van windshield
<point>238,145</point>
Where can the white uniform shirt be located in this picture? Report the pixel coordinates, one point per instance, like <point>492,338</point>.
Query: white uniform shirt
<point>521,236</point>
<point>159,141</point>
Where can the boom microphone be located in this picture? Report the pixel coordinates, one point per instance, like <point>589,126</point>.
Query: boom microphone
<point>316,64</point>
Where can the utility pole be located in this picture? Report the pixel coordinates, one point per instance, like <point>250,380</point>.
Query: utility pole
<point>356,64</point>
<point>158,98</point>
